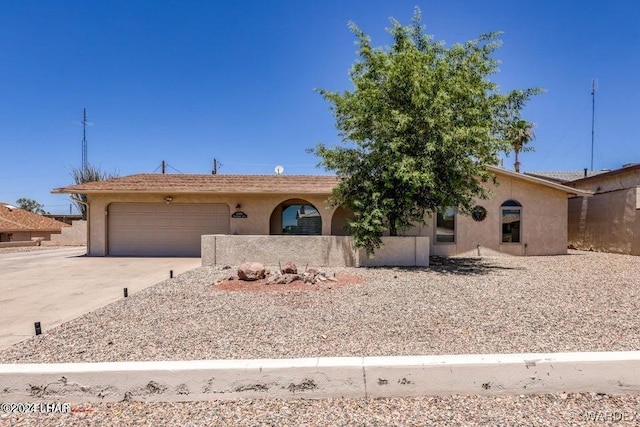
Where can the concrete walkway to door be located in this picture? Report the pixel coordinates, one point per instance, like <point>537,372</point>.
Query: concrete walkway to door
<point>56,285</point>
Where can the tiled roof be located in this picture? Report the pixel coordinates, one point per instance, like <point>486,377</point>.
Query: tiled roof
<point>219,183</point>
<point>563,176</point>
<point>15,219</point>
<point>238,184</point>
<point>630,167</point>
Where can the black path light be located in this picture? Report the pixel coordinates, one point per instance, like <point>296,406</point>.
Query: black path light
<point>126,292</point>
<point>38,328</point>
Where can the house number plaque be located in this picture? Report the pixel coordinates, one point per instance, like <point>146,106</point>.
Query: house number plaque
<point>238,214</point>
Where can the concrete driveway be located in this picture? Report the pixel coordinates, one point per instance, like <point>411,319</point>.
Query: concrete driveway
<point>56,285</point>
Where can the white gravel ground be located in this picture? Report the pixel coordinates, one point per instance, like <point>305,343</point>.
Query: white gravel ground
<point>580,302</point>
<point>543,410</point>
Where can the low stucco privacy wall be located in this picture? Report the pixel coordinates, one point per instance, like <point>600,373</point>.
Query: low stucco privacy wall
<point>317,251</point>
<point>608,222</point>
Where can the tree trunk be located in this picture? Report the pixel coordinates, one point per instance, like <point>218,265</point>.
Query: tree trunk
<point>516,165</point>
<point>393,231</point>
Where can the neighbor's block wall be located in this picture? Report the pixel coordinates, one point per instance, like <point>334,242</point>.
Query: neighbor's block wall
<point>76,235</point>
<point>608,222</point>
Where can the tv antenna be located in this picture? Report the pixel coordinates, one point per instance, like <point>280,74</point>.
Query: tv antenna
<point>278,170</point>
<point>594,84</point>
<point>84,123</point>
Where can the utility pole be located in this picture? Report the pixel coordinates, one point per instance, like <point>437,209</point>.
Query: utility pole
<point>164,167</point>
<point>593,115</point>
<point>216,165</point>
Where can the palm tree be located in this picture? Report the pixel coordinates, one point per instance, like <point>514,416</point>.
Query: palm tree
<point>520,133</point>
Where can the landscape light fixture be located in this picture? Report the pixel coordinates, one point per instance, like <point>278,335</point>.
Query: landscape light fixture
<point>168,199</point>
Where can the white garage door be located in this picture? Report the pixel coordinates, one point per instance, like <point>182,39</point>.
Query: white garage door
<point>160,229</point>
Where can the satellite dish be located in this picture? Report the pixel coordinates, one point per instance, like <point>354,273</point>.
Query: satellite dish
<point>278,170</point>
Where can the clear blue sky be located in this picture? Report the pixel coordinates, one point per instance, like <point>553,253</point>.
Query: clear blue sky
<point>187,81</point>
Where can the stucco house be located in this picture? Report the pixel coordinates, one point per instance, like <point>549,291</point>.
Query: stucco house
<point>166,214</point>
<point>20,225</point>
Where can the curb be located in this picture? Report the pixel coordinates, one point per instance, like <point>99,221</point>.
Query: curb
<point>324,377</point>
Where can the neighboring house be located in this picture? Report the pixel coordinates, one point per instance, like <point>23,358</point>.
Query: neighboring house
<point>165,214</point>
<point>610,220</point>
<point>21,225</point>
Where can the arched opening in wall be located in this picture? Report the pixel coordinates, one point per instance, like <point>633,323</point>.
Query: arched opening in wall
<point>296,217</point>
<point>339,221</point>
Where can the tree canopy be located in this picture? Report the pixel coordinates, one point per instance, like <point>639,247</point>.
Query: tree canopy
<point>418,129</point>
<point>31,206</point>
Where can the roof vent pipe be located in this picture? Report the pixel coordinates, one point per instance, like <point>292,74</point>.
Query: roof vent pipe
<point>585,172</point>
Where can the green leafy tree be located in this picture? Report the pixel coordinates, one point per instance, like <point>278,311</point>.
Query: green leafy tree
<point>417,130</point>
<point>82,175</point>
<point>519,134</point>
<point>31,206</point>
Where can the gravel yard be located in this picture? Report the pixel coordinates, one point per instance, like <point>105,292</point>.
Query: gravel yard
<point>586,409</point>
<point>579,302</point>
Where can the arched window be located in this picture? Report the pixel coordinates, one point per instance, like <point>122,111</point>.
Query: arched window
<point>296,217</point>
<point>511,221</point>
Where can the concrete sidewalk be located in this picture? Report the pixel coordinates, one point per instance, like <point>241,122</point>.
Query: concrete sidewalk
<point>56,285</point>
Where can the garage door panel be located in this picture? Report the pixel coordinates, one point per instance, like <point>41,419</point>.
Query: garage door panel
<point>160,229</point>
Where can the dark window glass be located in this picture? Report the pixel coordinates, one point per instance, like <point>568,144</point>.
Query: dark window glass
<point>510,225</point>
<point>301,220</point>
<point>446,226</point>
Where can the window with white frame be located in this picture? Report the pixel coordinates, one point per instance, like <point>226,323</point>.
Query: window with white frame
<point>511,221</point>
<point>446,226</point>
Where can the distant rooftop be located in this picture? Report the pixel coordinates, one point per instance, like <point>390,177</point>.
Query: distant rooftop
<point>16,219</point>
<point>562,177</point>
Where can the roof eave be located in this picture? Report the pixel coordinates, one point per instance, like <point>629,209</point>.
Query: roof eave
<point>174,191</point>
<point>536,180</point>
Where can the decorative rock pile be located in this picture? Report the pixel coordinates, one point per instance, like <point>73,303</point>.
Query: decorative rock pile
<point>287,273</point>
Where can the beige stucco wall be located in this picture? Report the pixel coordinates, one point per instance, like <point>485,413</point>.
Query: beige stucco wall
<point>616,181</point>
<point>76,235</point>
<point>257,207</point>
<point>544,219</point>
<point>313,251</point>
<point>543,223</point>
<point>608,222</point>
